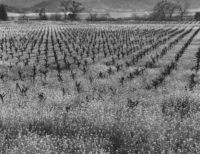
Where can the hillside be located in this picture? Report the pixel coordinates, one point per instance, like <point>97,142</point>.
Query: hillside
<point>104,5</point>
<point>13,9</point>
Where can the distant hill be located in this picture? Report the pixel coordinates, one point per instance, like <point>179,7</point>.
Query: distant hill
<point>50,5</point>
<point>21,3</point>
<point>100,5</point>
<point>13,9</point>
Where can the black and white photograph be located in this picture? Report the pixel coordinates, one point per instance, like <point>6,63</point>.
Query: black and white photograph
<point>99,76</point>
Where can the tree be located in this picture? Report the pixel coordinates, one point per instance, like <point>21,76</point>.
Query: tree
<point>164,10</point>
<point>73,8</point>
<point>37,11</point>
<point>105,16</point>
<point>65,5</point>
<point>56,16</point>
<point>92,17</point>
<point>3,13</point>
<point>197,16</point>
<point>42,14</point>
<point>183,9</point>
<point>23,16</point>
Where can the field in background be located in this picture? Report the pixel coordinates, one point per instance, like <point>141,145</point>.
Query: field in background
<point>99,88</point>
<point>114,15</point>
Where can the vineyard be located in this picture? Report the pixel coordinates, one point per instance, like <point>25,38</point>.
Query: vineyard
<point>99,88</point>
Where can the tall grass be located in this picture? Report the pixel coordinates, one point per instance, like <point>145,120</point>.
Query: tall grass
<point>159,124</point>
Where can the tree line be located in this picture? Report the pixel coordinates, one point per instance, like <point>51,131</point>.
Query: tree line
<point>70,8</point>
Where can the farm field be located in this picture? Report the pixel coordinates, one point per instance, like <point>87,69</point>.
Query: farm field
<point>99,88</point>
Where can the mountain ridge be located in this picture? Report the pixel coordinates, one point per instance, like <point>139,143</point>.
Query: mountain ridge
<point>104,5</point>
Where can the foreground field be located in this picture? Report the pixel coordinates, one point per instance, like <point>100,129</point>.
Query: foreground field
<point>99,88</point>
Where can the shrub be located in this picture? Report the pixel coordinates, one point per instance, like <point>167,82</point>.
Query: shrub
<point>180,105</point>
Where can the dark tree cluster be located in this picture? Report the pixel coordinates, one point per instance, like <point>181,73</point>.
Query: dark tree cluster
<point>72,7</point>
<point>3,13</point>
<point>197,16</point>
<point>165,10</point>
